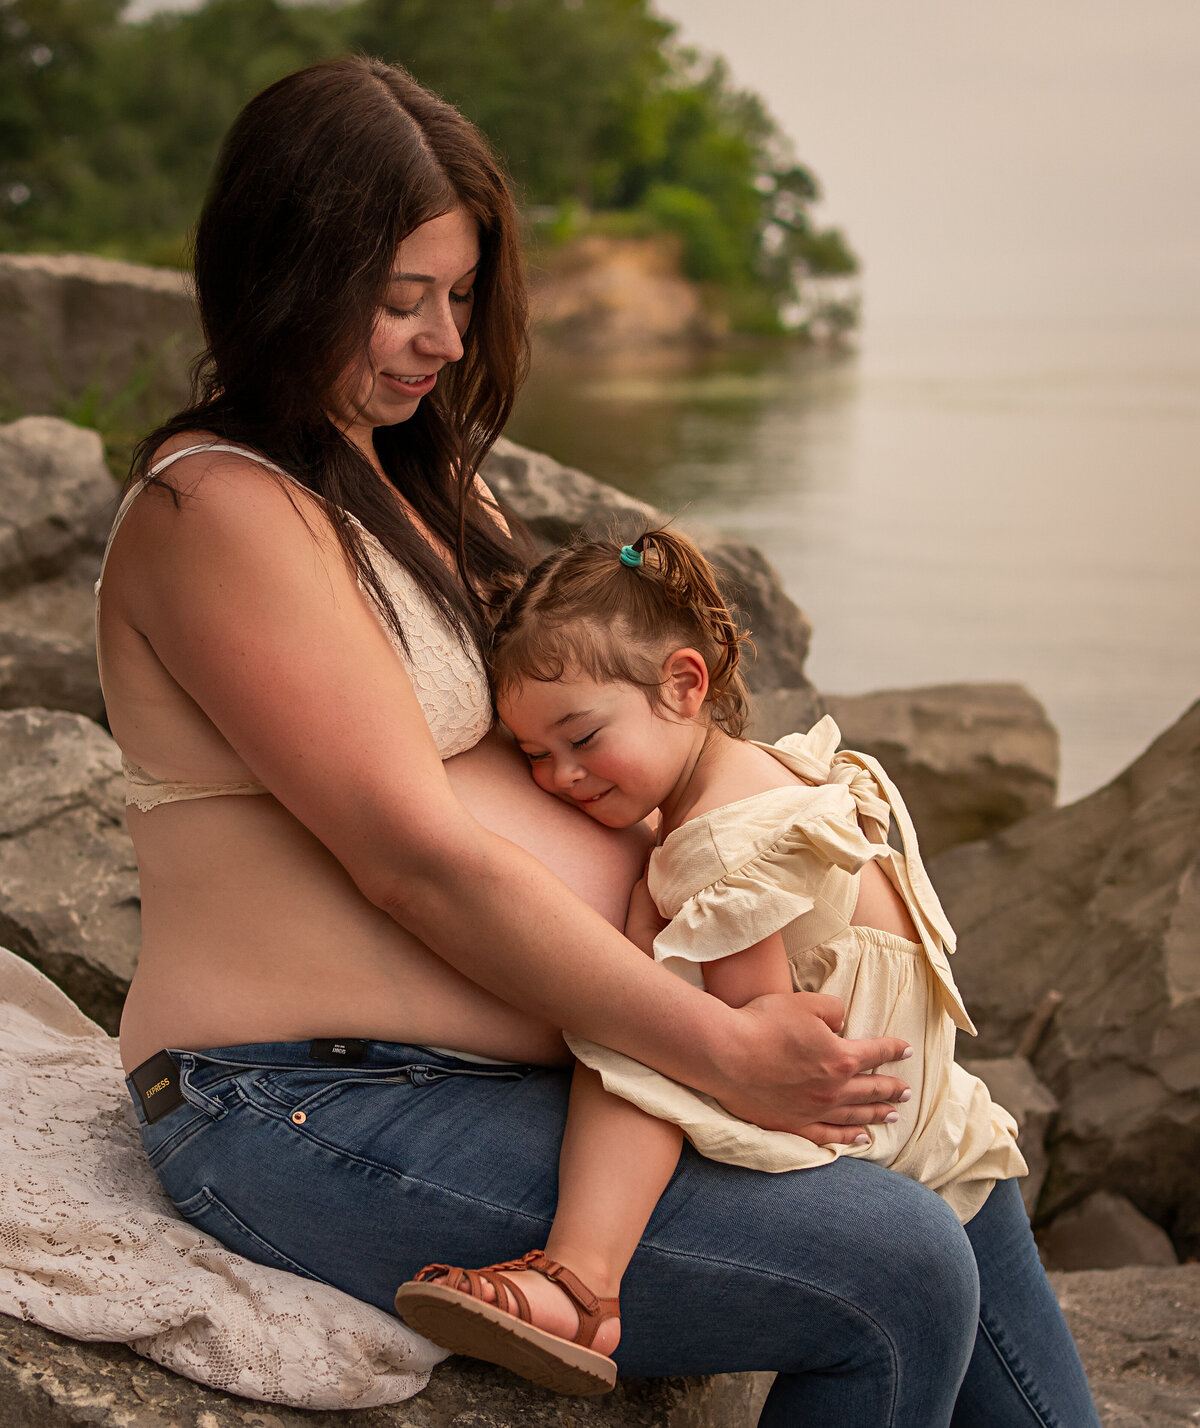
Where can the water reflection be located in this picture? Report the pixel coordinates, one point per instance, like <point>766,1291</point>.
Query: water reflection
<point>953,504</point>
<point>683,429</point>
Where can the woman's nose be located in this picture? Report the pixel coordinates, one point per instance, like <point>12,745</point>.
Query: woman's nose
<point>439,335</point>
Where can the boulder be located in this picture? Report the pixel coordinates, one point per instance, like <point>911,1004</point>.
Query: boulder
<point>1104,1232</point>
<point>47,1381</point>
<point>57,499</point>
<point>68,877</point>
<point>1101,901</point>
<point>48,645</point>
<point>969,758</point>
<point>76,331</point>
<point>556,503</point>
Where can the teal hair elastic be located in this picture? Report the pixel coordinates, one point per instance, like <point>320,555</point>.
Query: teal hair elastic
<point>631,557</point>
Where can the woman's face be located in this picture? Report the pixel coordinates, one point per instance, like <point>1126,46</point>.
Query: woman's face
<point>418,330</point>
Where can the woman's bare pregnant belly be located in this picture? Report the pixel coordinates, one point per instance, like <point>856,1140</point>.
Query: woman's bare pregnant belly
<point>251,930</point>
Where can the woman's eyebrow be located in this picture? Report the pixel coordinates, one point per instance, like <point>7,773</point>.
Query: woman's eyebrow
<point>428,277</point>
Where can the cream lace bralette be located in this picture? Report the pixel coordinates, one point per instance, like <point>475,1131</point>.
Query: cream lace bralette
<point>450,682</point>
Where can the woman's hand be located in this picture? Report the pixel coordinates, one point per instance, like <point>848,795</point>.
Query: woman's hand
<point>788,1069</point>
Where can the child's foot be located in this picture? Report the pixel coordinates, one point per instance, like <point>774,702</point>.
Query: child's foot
<point>531,1315</point>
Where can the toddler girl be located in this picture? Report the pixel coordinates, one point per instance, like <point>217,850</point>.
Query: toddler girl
<point>617,671</point>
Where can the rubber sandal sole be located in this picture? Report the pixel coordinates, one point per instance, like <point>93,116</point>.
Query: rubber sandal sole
<point>464,1325</point>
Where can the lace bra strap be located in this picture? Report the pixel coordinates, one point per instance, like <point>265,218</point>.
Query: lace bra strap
<point>158,468</point>
<point>136,490</point>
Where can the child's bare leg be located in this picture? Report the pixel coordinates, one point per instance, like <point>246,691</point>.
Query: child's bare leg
<point>615,1164</point>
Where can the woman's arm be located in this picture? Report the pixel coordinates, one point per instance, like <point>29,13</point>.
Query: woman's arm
<point>251,608</point>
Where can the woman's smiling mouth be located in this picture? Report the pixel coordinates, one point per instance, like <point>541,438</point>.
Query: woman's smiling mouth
<point>409,386</point>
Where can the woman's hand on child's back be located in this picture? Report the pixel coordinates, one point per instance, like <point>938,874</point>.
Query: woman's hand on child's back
<point>792,1071</point>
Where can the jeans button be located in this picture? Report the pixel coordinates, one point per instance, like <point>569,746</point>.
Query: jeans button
<point>298,1118</point>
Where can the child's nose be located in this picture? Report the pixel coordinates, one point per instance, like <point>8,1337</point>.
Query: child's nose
<point>567,773</point>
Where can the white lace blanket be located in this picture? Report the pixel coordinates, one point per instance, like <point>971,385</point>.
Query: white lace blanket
<point>90,1246</point>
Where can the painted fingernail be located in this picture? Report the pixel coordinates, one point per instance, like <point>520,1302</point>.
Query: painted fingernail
<point>891,1118</point>
<point>904,1096</point>
<point>906,1053</point>
<point>861,1139</point>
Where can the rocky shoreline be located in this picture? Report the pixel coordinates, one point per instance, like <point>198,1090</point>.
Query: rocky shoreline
<point>1098,902</point>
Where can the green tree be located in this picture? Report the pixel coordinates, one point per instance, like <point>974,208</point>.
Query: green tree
<point>557,86</point>
<point>108,129</point>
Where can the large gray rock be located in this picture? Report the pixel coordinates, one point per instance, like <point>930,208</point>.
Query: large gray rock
<point>48,645</point>
<point>47,1381</point>
<point>969,758</point>
<point>74,326</point>
<point>56,499</point>
<point>1101,901</point>
<point>68,877</point>
<point>1104,1232</point>
<point>556,503</point>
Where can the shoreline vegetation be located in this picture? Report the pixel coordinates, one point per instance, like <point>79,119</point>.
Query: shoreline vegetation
<point>628,150</point>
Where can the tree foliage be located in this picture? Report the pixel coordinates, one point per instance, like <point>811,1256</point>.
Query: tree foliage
<point>108,128</point>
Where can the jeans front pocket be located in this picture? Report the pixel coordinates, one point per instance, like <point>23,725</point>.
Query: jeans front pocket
<point>208,1212</point>
<point>293,1092</point>
<point>426,1075</point>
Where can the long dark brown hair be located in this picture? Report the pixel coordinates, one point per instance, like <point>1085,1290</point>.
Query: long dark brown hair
<point>614,613</point>
<point>318,181</point>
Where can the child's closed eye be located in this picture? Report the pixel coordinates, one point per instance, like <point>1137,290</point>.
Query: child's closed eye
<point>585,741</point>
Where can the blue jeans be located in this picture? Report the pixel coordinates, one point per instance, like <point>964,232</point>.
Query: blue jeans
<point>857,1286</point>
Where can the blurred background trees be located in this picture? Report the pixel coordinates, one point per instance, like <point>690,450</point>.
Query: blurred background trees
<point>108,128</point>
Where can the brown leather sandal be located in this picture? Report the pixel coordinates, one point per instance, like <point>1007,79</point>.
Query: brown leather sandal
<point>457,1317</point>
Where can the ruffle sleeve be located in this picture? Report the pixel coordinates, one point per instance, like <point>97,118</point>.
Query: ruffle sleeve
<point>744,871</point>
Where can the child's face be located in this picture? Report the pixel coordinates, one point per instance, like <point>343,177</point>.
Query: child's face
<point>601,747</point>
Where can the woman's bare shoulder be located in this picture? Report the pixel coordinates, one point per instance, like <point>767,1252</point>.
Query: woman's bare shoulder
<point>208,489</point>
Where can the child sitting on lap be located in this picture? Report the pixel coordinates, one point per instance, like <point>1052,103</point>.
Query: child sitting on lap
<point>616,670</point>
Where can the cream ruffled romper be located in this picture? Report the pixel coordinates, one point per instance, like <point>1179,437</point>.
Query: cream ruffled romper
<point>788,861</point>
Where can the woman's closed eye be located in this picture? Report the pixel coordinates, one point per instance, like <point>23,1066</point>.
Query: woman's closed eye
<point>458,299</point>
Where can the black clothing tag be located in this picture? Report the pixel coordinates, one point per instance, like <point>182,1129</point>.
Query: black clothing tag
<point>345,1052</point>
<point>157,1084</point>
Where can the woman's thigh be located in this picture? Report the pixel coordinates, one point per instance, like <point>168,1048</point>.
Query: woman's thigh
<point>853,1283</point>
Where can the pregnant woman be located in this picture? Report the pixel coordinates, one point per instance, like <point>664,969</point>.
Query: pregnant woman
<point>364,926</point>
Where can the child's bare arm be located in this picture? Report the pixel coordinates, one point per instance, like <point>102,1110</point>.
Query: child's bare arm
<point>643,922</point>
<point>754,972</point>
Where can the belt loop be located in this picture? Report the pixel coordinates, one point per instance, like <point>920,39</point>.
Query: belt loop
<point>200,1099</point>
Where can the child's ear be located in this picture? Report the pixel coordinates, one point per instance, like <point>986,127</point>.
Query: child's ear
<point>685,682</point>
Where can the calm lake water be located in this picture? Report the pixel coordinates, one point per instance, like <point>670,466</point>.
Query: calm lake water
<point>949,503</point>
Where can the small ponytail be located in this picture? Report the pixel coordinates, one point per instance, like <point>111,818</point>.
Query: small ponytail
<point>615,612</point>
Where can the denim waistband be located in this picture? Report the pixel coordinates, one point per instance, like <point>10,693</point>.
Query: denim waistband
<point>155,1085</point>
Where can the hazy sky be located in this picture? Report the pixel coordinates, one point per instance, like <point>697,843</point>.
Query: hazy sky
<point>1024,157</point>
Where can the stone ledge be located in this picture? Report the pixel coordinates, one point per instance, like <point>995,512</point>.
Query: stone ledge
<point>48,1381</point>
<point>1136,1329</point>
